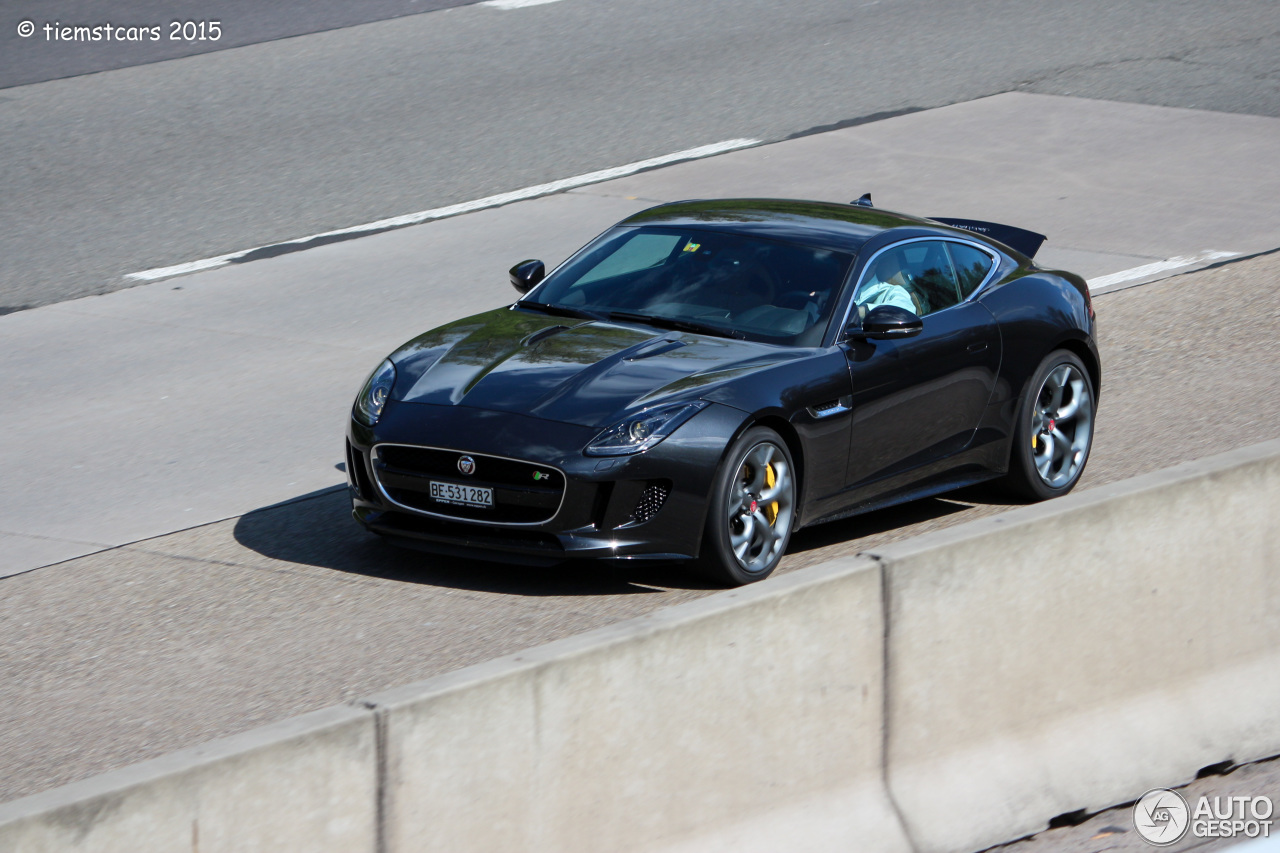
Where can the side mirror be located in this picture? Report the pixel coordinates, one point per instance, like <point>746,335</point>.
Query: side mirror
<point>886,321</point>
<point>526,274</point>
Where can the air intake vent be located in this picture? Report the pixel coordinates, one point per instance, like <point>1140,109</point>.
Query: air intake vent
<point>651,500</point>
<point>358,474</point>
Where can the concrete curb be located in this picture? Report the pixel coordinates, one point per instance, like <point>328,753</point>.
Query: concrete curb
<point>942,694</point>
<point>306,783</point>
<point>659,732</point>
<point>1072,655</point>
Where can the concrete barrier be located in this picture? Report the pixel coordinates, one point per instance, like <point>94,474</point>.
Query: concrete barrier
<point>1059,657</point>
<point>750,720</point>
<point>304,784</point>
<point>1074,654</point>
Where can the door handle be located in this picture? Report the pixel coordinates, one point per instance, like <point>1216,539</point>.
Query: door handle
<point>978,347</point>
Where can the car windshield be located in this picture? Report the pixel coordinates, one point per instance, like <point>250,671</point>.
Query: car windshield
<point>707,281</point>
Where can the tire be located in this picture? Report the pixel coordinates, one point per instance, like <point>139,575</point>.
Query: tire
<point>1054,429</point>
<point>752,510</point>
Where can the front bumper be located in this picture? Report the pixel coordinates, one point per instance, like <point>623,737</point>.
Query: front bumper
<point>648,506</point>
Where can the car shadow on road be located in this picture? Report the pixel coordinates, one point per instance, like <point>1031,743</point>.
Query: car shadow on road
<point>872,526</point>
<point>316,529</point>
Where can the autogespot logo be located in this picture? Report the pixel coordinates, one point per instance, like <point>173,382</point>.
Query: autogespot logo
<point>1161,817</point>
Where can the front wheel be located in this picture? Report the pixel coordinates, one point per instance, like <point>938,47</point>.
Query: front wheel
<point>1054,430</point>
<point>752,510</point>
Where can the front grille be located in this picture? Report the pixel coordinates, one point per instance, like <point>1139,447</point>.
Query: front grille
<point>523,493</point>
<point>651,500</point>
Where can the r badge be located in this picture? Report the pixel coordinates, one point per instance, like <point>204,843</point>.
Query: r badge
<point>466,465</point>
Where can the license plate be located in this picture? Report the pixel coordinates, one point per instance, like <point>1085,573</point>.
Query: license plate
<point>452,493</point>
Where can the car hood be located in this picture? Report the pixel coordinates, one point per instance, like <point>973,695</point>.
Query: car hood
<point>584,372</point>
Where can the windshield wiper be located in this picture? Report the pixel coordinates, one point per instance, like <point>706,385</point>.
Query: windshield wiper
<point>679,325</point>
<point>560,310</point>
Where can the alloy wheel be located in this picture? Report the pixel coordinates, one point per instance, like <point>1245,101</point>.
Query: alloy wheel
<point>760,507</point>
<point>1061,426</point>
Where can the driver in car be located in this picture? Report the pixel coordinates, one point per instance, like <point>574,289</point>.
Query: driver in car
<point>887,285</point>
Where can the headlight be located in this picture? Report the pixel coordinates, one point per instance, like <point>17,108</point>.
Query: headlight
<point>373,396</point>
<point>640,432</point>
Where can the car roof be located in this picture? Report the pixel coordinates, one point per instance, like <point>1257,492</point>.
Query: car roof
<point>821,224</point>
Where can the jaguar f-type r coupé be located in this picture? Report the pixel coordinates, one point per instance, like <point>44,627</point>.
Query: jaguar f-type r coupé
<point>707,377</point>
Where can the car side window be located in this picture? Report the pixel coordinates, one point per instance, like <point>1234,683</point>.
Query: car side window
<point>917,276</point>
<point>972,266</point>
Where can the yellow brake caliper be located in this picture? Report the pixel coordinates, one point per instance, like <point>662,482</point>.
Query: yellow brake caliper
<point>770,479</point>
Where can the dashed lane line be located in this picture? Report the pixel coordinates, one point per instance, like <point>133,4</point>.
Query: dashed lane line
<point>1156,268</point>
<point>515,4</point>
<point>442,212</point>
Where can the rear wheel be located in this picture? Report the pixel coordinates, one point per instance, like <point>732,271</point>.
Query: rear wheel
<point>753,504</point>
<point>1054,431</point>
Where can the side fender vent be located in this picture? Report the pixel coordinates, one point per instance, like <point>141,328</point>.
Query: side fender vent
<point>831,407</point>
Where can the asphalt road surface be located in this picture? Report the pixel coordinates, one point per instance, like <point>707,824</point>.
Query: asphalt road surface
<point>184,30</point>
<point>162,163</point>
<point>134,652</point>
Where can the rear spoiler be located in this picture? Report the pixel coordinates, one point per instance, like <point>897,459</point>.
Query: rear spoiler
<point>1019,239</point>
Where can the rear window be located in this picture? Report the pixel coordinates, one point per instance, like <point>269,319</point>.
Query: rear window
<point>972,266</point>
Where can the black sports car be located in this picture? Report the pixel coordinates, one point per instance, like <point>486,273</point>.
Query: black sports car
<point>707,377</point>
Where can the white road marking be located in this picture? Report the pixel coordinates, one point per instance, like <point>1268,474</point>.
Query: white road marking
<point>1156,268</point>
<point>515,4</point>
<point>464,207</point>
